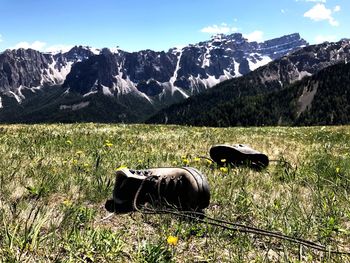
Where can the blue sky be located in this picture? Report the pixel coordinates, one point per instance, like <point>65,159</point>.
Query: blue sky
<point>134,25</point>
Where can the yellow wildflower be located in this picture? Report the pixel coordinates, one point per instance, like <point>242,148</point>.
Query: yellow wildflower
<point>197,159</point>
<point>69,142</point>
<point>185,161</point>
<point>224,169</point>
<point>209,162</point>
<point>172,240</point>
<point>67,203</point>
<point>337,170</point>
<point>108,144</point>
<point>29,247</point>
<point>120,167</point>
<point>223,160</point>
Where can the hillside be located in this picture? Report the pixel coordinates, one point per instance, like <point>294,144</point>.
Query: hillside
<point>265,97</point>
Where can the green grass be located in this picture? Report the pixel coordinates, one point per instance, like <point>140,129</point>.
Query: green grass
<point>54,180</point>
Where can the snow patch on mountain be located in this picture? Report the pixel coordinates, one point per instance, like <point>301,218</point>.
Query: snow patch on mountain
<point>236,67</point>
<point>34,89</point>
<point>303,74</point>
<point>106,91</point>
<point>18,98</point>
<point>174,77</point>
<point>20,94</point>
<point>180,91</point>
<point>75,107</point>
<point>259,62</point>
<point>90,93</point>
<point>145,96</point>
<point>227,75</point>
<point>211,81</point>
<point>123,86</point>
<point>54,75</point>
<point>206,58</point>
<point>95,51</point>
<point>114,50</point>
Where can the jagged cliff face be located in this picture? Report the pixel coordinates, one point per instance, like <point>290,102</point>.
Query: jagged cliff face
<point>305,62</point>
<point>23,69</point>
<point>185,71</point>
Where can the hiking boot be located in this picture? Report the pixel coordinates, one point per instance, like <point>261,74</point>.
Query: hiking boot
<point>238,154</point>
<point>184,188</point>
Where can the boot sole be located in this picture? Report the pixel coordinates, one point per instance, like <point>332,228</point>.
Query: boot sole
<point>238,155</point>
<point>203,187</point>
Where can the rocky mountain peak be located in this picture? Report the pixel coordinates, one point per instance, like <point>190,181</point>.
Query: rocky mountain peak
<point>79,53</point>
<point>281,46</point>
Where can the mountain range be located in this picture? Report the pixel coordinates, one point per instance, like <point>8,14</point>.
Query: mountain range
<point>225,81</point>
<point>86,84</point>
<point>307,87</point>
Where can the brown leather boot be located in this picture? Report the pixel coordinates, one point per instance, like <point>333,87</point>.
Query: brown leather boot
<point>182,188</point>
<point>238,154</point>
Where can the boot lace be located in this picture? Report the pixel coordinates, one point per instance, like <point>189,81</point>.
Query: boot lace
<point>163,184</point>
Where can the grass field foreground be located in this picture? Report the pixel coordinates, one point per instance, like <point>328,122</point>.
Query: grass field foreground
<point>55,179</point>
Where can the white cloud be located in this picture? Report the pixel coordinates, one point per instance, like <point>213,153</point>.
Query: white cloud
<point>37,45</point>
<point>337,8</point>
<point>221,29</point>
<point>330,38</point>
<point>58,48</point>
<point>319,13</point>
<point>255,36</point>
<point>42,46</point>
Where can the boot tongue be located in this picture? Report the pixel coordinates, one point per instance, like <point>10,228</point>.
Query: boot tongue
<point>127,184</point>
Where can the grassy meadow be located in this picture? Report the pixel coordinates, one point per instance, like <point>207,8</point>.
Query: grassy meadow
<point>55,179</point>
